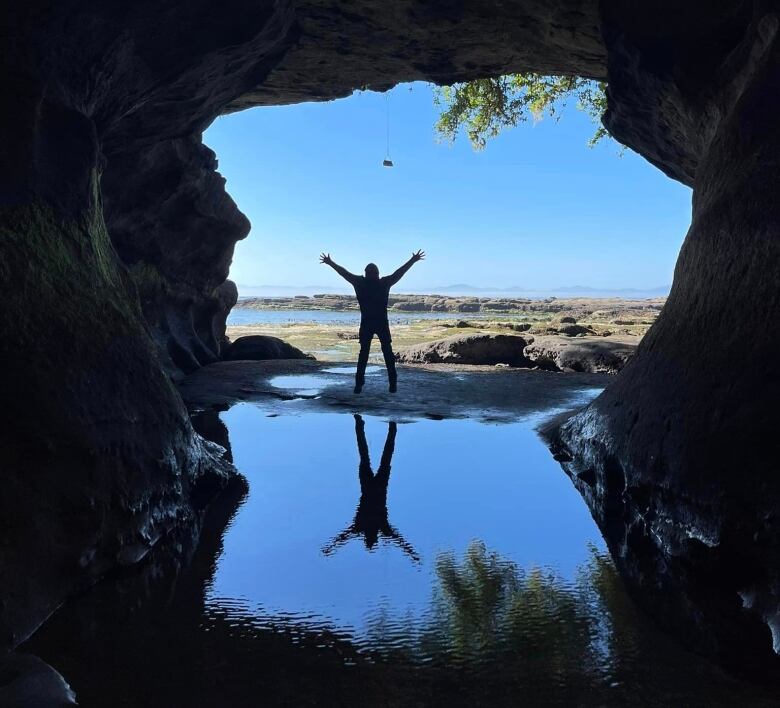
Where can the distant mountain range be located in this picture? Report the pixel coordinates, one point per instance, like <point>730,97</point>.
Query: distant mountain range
<point>463,289</point>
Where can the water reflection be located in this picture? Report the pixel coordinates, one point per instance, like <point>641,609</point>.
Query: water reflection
<point>533,614</point>
<point>371,521</point>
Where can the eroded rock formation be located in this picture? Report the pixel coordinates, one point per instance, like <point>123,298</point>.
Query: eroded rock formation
<point>116,234</point>
<point>680,456</point>
<point>174,227</point>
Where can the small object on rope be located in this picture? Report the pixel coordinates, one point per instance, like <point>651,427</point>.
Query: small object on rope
<point>387,162</point>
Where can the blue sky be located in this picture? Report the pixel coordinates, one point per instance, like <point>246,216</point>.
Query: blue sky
<point>536,209</point>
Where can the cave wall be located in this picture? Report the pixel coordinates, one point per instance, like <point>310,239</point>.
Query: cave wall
<point>98,456</point>
<point>99,459</point>
<point>679,458</point>
<point>174,227</point>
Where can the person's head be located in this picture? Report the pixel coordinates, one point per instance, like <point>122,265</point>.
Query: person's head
<point>372,272</point>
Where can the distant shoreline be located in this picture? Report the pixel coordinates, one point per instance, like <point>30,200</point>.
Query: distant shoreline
<point>448,304</point>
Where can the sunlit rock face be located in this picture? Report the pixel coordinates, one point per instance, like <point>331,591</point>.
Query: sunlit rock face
<point>117,235</point>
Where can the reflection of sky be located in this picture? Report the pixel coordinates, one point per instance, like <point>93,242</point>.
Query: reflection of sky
<point>452,481</point>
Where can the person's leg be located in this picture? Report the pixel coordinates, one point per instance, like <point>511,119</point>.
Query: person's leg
<point>365,348</point>
<point>387,352</point>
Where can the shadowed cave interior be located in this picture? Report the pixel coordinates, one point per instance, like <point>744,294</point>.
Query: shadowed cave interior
<point>117,237</point>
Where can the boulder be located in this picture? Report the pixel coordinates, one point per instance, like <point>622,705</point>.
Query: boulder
<point>257,346</point>
<point>586,354</point>
<point>574,330</point>
<point>515,326</point>
<point>469,349</point>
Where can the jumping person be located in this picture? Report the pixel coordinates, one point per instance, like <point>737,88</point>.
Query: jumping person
<point>372,293</point>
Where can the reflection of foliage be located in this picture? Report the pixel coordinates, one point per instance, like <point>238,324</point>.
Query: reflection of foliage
<point>529,631</point>
<point>487,609</point>
<point>485,107</point>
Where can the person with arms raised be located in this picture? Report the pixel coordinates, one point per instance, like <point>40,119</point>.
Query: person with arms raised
<point>372,294</point>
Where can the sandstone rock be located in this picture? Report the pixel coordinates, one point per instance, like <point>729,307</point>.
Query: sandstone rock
<point>469,349</point>
<point>592,355</point>
<point>257,347</point>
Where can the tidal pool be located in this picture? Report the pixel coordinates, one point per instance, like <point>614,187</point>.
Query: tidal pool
<point>374,562</point>
<point>445,485</point>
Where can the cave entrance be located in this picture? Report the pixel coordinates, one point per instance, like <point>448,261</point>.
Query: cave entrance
<point>104,157</point>
<point>536,214</point>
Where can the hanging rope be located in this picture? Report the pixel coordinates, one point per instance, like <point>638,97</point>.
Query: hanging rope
<point>387,104</point>
<point>387,162</point>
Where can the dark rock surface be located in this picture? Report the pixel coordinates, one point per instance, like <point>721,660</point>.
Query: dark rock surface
<point>682,451</point>
<point>174,226</point>
<point>258,347</point>
<point>28,682</point>
<point>469,349</point>
<point>574,330</point>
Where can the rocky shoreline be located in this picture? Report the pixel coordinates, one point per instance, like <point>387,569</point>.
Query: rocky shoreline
<point>585,335</point>
<point>467,304</point>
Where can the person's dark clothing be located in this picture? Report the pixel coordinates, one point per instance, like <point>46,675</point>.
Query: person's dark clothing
<point>372,296</point>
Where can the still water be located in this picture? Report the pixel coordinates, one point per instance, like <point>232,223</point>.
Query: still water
<point>418,509</point>
<point>373,562</point>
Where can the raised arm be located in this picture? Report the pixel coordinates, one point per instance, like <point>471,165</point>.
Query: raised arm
<point>343,272</point>
<point>393,278</point>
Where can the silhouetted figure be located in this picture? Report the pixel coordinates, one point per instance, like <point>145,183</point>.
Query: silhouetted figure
<point>371,520</point>
<point>372,293</point>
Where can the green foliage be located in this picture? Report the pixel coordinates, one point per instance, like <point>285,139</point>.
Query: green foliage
<point>484,107</point>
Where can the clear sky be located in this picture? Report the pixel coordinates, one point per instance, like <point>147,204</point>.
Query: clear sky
<point>536,209</point>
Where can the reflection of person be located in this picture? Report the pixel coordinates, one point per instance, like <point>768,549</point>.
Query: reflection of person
<point>371,520</point>
<point>372,293</point>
